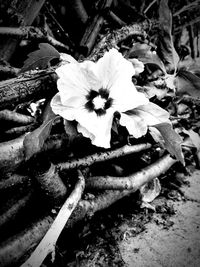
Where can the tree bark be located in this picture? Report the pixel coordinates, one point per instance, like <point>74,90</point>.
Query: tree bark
<point>27,87</point>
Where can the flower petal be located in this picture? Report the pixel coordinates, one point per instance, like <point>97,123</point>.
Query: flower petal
<point>138,65</point>
<point>112,66</point>
<point>71,82</point>
<point>126,96</point>
<point>64,111</point>
<point>151,113</point>
<point>90,71</point>
<point>98,127</point>
<point>135,125</point>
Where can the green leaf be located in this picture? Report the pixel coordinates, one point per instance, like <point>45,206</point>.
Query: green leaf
<point>165,46</point>
<point>70,129</point>
<point>40,58</point>
<point>187,83</point>
<point>143,53</point>
<point>172,140</point>
<point>34,141</point>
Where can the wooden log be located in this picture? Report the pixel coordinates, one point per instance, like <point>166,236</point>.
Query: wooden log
<point>29,86</point>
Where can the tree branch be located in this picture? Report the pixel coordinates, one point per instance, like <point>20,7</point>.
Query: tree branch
<point>134,181</point>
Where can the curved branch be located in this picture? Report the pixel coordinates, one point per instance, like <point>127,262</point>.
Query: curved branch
<point>134,181</point>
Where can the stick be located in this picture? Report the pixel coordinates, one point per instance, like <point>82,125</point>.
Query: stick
<point>134,181</point>
<point>107,155</point>
<point>47,245</point>
<point>32,33</point>
<point>12,116</point>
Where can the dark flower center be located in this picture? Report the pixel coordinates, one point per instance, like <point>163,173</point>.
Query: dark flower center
<point>98,101</point>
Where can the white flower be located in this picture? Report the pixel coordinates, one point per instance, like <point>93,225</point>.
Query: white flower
<point>90,93</point>
<point>138,65</point>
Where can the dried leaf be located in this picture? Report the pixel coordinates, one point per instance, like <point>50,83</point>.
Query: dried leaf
<point>143,52</point>
<point>34,141</point>
<point>70,129</point>
<point>150,190</point>
<point>193,140</point>
<point>187,83</point>
<point>40,58</point>
<point>172,140</point>
<point>166,50</point>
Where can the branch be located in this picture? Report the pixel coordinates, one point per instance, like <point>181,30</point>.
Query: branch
<point>113,38</point>
<point>47,245</point>
<point>99,157</point>
<point>134,181</point>
<point>31,33</point>
<point>15,117</point>
<point>29,86</point>
<point>187,7</point>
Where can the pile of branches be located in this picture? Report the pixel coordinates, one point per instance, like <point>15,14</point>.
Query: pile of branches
<point>51,179</point>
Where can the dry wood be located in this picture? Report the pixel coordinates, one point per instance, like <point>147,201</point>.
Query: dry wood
<point>12,250</point>
<point>15,117</point>
<point>16,132</point>
<point>89,38</point>
<point>24,13</point>
<point>14,180</point>
<point>51,184</point>
<point>113,38</point>
<point>107,155</point>
<point>134,181</point>
<point>32,33</point>
<point>29,86</point>
<point>47,245</point>
<point>11,214</point>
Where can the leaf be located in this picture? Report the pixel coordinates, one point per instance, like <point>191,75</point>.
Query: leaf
<point>172,140</point>
<point>187,83</point>
<point>150,190</point>
<point>165,46</point>
<point>40,58</point>
<point>34,141</point>
<point>193,140</point>
<point>143,52</point>
<point>70,129</point>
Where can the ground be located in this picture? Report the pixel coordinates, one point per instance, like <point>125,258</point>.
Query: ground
<point>126,235</point>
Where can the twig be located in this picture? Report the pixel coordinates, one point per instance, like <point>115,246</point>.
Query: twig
<point>47,245</point>
<point>32,33</point>
<point>134,181</point>
<point>180,28</point>
<point>119,22</point>
<point>16,132</point>
<point>79,10</point>
<point>15,117</point>
<point>98,157</point>
<point>187,7</point>
<point>149,6</point>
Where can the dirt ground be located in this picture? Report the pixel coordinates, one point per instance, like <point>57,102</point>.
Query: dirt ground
<point>175,246</point>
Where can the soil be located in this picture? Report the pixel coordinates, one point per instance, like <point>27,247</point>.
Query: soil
<point>165,234</point>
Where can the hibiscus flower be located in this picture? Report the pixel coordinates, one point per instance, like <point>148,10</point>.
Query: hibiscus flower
<point>90,93</point>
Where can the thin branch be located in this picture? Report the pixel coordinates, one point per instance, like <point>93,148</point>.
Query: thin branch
<point>107,155</point>
<point>32,33</point>
<point>187,7</point>
<point>134,181</point>
<point>149,6</point>
<point>47,245</point>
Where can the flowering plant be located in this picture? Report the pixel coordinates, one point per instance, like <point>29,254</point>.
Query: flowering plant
<point>90,93</point>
